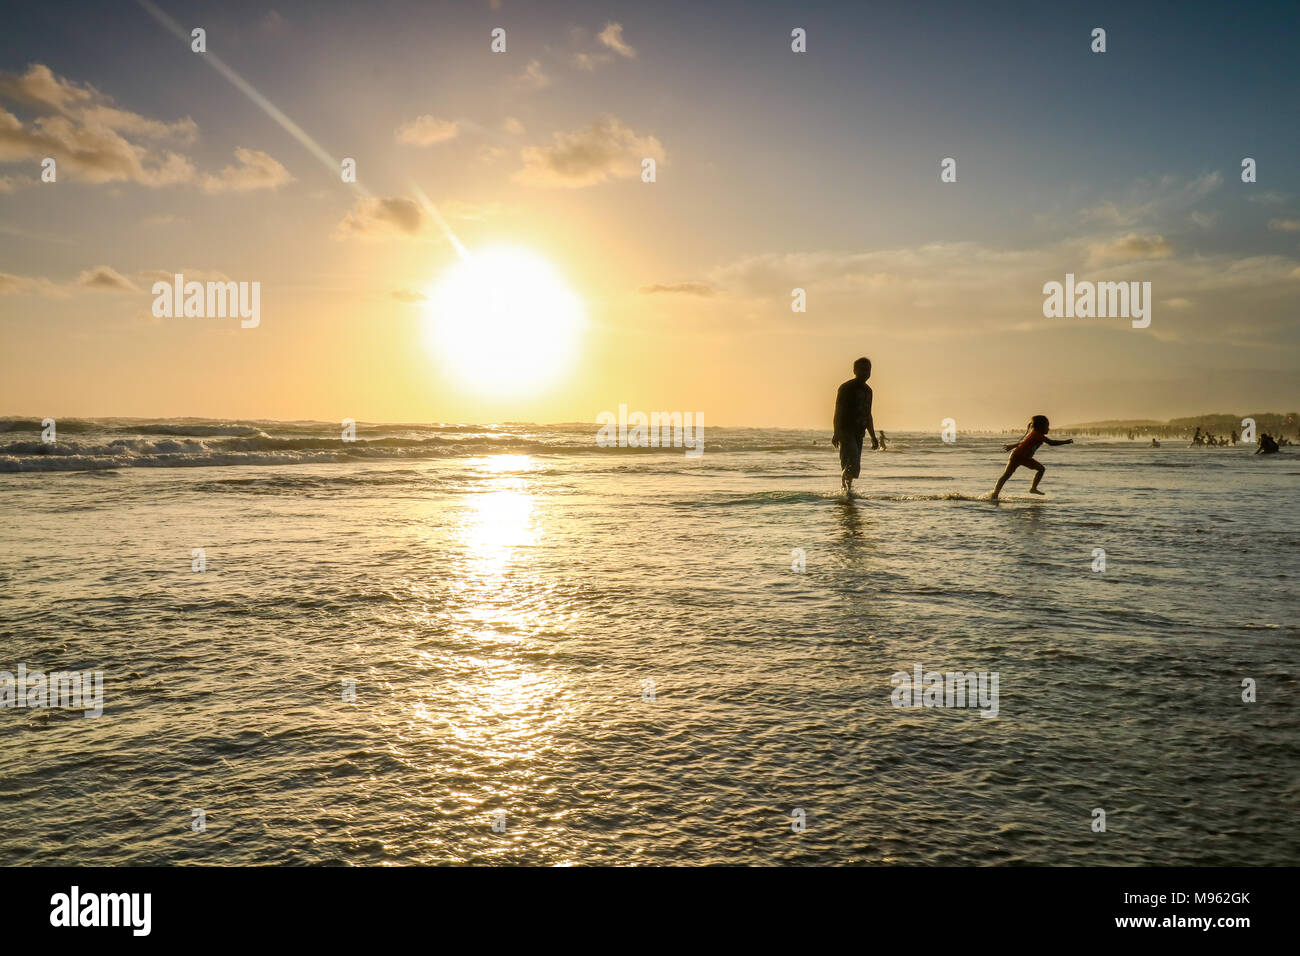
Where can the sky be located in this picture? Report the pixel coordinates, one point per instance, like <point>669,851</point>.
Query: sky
<point>774,170</point>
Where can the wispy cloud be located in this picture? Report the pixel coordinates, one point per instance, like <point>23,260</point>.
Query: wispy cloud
<point>382,218</point>
<point>105,279</point>
<point>28,285</point>
<point>256,170</point>
<point>679,288</point>
<point>425,131</point>
<point>612,37</point>
<point>606,149</point>
<point>534,77</point>
<point>612,42</point>
<point>1130,248</point>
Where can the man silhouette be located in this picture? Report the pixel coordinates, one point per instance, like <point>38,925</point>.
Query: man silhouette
<point>853,421</point>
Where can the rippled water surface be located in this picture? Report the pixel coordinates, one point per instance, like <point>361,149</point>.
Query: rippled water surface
<point>611,648</point>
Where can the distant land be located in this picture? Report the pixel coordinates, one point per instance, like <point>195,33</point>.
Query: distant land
<point>1220,423</point>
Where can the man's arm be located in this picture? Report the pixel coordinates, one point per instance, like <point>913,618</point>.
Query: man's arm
<point>838,418</point>
<point>871,426</point>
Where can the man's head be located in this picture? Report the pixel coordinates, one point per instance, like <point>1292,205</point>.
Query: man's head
<point>862,369</point>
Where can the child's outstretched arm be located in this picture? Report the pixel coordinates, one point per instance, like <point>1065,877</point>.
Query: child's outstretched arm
<point>1063,441</point>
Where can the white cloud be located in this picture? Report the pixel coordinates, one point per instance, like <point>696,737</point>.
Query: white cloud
<point>92,140</point>
<point>612,37</point>
<point>382,218</point>
<point>425,131</point>
<point>1129,248</point>
<point>533,77</point>
<point>256,170</point>
<point>606,149</point>
<point>105,279</point>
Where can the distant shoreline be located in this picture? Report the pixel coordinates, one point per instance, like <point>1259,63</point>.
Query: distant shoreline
<point>1275,423</point>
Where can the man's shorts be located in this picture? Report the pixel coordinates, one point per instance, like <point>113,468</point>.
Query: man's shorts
<point>850,455</point>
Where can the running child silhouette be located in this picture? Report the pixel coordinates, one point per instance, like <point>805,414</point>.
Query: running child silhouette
<point>1023,454</point>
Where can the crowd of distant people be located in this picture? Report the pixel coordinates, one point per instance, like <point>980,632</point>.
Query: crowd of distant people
<point>1268,444</point>
<point>1211,440</point>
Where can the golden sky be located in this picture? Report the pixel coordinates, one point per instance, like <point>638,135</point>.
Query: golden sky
<point>775,170</point>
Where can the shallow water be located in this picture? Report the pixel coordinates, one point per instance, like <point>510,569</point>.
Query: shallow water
<point>501,596</point>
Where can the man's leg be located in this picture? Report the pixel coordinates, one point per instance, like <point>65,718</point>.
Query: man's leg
<point>850,460</point>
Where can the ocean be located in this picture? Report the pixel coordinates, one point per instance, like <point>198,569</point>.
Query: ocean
<point>503,644</point>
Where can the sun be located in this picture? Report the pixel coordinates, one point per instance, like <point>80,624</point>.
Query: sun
<point>503,320</point>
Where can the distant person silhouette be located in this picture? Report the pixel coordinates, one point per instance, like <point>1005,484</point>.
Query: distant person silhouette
<point>853,421</point>
<point>1267,445</point>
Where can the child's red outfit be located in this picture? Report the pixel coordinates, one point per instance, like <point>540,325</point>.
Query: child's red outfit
<point>1023,454</point>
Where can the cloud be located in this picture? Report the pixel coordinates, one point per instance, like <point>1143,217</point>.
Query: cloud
<point>105,279</point>
<point>40,87</point>
<point>100,279</point>
<point>1131,247</point>
<point>512,126</point>
<point>92,140</point>
<point>94,154</point>
<point>1154,202</point>
<point>27,285</point>
<point>940,291</point>
<point>409,296</point>
<point>273,23</point>
<point>588,156</point>
<point>425,131</point>
<point>148,277</point>
<point>533,77</point>
<point>1284,225</point>
<point>589,61</point>
<point>379,218</point>
<point>256,170</point>
<point>612,37</point>
<point>679,288</point>
<point>382,218</point>
<point>468,211</point>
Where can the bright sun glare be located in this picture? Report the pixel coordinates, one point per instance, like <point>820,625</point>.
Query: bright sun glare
<point>503,319</point>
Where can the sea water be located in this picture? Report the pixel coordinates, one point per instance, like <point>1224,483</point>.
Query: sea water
<point>505,644</point>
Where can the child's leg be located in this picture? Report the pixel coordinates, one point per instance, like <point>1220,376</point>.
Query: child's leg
<point>1039,469</point>
<point>1011,466</point>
